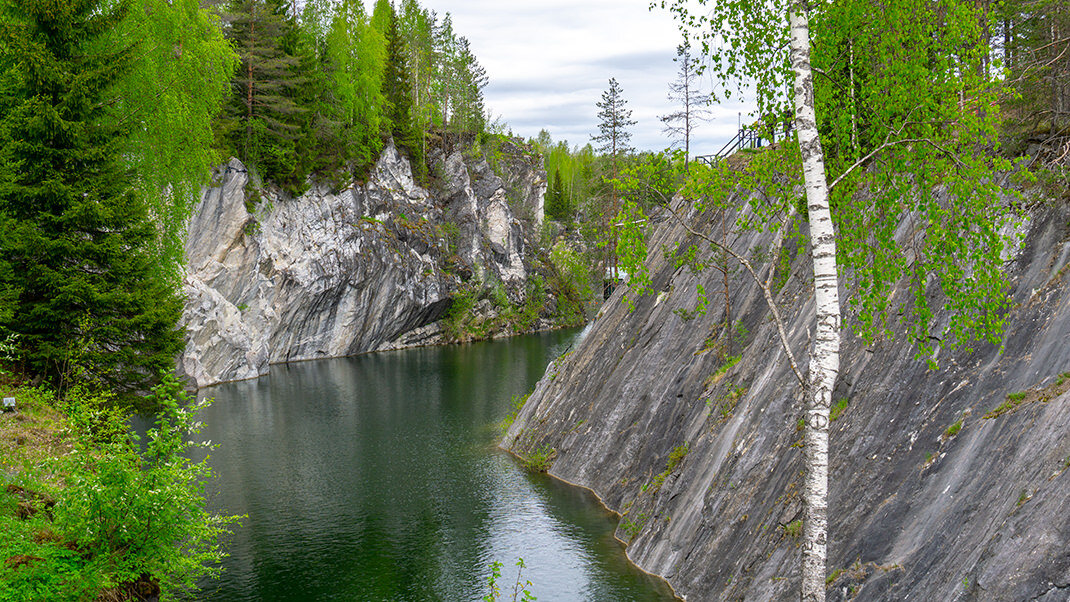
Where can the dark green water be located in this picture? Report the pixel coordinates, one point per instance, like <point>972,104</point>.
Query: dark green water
<point>376,478</point>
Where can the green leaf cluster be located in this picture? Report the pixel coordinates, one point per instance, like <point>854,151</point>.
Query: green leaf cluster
<point>909,119</point>
<point>176,84</point>
<point>113,511</point>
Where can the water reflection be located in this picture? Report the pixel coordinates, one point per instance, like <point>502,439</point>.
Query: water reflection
<point>375,478</point>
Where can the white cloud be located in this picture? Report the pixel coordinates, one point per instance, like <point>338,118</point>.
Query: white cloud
<point>550,60</point>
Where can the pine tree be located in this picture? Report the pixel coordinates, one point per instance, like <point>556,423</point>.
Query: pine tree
<point>614,137</point>
<point>76,236</point>
<point>615,120</point>
<point>690,99</point>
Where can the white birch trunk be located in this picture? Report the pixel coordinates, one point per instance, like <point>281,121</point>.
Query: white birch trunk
<point>825,351</point>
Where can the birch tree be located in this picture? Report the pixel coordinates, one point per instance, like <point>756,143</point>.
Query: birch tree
<point>926,100</point>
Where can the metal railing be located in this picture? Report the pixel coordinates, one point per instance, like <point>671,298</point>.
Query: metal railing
<point>751,136</point>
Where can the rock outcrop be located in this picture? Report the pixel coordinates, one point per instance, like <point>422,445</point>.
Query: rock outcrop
<point>942,486</point>
<point>334,273</point>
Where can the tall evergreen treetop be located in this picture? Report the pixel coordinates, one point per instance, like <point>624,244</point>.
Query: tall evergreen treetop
<point>76,236</point>
<point>397,89</point>
<point>264,118</point>
<point>615,119</point>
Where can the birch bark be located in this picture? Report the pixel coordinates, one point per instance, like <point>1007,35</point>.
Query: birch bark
<point>825,351</point>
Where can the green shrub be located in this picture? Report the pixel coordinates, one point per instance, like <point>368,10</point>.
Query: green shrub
<point>540,459</point>
<point>632,527</point>
<point>458,320</point>
<point>677,455</point>
<point>837,409</point>
<point>520,587</point>
<point>793,529</point>
<point>953,429</point>
<point>120,512</point>
<point>510,418</point>
<point>718,374</point>
<point>571,283</point>
<point>1012,402</point>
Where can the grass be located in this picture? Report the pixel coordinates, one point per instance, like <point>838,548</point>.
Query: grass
<point>1062,378</point>
<point>1044,395</point>
<point>718,374</point>
<point>833,576</point>
<point>34,434</point>
<point>1009,405</point>
<point>953,429</point>
<point>675,457</point>
<point>540,459</point>
<point>837,409</point>
<point>793,529</point>
<point>1023,497</point>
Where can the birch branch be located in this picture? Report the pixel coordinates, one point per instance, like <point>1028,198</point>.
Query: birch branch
<point>766,291</point>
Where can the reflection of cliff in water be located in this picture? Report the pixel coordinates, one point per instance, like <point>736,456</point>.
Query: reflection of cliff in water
<point>376,478</point>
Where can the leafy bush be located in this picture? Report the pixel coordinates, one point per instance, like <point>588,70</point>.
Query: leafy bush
<point>520,588</point>
<point>837,409</point>
<point>539,460</point>
<point>571,282</point>
<point>111,514</point>
<point>458,318</point>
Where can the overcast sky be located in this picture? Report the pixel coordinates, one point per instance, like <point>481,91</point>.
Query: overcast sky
<point>550,60</point>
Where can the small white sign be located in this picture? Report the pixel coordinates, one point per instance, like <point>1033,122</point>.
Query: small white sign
<point>9,402</point>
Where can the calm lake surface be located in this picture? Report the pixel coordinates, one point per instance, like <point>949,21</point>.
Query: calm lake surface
<point>376,478</point>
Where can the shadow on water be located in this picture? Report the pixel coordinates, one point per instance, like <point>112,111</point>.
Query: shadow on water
<point>376,478</point>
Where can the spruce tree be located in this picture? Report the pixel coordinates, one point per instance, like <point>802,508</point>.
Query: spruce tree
<point>75,235</point>
<point>556,206</point>
<point>263,120</point>
<point>397,89</point>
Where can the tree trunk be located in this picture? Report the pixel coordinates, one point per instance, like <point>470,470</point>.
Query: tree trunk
<point>825,350</point>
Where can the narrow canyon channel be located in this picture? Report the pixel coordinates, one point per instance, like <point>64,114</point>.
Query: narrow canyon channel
<point>377,478</point>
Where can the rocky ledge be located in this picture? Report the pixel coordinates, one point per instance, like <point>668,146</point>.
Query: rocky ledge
<point>948,484</point>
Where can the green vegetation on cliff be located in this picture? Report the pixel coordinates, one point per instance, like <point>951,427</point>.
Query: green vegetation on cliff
<point>321,91</point>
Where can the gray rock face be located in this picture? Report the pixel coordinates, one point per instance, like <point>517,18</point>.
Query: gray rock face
<point>917,510</point>
<point>332,274</point>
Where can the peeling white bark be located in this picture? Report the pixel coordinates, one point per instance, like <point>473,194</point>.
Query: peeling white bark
<point>825,352</point>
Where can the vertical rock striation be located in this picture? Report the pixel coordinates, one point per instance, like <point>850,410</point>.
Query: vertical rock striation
<point>335,273</point>
<point>941,486</point>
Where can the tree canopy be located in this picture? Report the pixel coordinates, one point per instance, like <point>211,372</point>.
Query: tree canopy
<point>322,92</point>
<point>78,240</point>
